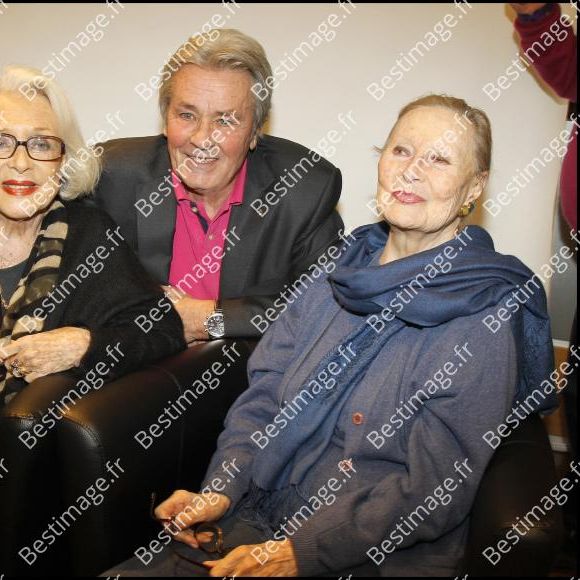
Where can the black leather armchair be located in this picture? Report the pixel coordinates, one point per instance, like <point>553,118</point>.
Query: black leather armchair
<point>30,487</point>
<point>520,472</point>
<point>99,432</point>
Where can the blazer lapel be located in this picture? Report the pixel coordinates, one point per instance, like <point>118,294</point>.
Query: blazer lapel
<point>248,226</point>
<point>156,224</point>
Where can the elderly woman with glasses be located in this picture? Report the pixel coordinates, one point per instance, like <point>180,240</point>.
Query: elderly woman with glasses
<point>361,441</point>
<point>70,287</point>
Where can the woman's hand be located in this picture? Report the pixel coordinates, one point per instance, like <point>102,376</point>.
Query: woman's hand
<point>527,7</point>
<point>271,559</point>
<point>184,509</point>
<point>47,352</point>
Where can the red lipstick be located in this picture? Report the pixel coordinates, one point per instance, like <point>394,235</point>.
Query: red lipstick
<point>19,188</point>
<point>407,197</point>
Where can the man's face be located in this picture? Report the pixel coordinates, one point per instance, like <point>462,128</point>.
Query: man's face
<point>210,127</point>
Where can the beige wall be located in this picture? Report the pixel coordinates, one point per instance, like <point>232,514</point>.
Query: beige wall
<point>331,79</point>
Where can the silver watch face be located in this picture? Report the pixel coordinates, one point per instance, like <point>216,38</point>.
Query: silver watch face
<point>215,325</point>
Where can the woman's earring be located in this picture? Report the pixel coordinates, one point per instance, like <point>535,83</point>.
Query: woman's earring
<point>465,210</point>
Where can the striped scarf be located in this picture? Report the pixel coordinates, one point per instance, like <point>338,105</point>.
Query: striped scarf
<point>38,280</point>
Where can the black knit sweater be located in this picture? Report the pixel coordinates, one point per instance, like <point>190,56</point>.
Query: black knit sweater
<point>103,287</point>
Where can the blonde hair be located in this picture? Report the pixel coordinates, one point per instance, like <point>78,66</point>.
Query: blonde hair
<point>479,121</point>
<point>80,168</point>
<point>225,48</point>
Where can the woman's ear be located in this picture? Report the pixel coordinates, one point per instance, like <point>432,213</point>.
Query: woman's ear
<point>478,184</point>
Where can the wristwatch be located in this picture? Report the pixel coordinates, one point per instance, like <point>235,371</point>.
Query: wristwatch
<point>214,323</point>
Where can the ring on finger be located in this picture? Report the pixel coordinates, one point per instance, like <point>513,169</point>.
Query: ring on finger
<point>17,369</point>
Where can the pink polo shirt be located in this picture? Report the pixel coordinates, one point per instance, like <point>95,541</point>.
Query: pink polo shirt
<point>198,241</point>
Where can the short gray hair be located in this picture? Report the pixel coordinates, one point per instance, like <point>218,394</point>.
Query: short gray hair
<point>80,168</point>
<point>225,48</point>
<point>482,140</point>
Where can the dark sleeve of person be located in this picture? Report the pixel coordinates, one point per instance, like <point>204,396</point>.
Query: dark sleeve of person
<point>322,231</point>
<point>551,45</point>
<point>121,306</point>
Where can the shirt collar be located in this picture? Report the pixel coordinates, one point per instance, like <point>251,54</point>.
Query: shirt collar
<point>236,197</point>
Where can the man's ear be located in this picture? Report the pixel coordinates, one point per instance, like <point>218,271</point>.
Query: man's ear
<point>254,142</point>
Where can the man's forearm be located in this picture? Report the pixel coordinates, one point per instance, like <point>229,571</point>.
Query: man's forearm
<point>243,317</point>
<point>194,317</point>
<point>193,313</point>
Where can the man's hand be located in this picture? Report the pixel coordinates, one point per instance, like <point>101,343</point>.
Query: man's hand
<point>193,313</point>
<point>47,352</point>
<point>527,7</point>
<point>280,561</point>
<point>185,509</point>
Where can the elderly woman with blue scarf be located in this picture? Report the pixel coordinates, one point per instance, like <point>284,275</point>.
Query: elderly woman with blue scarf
<point>360,441</point>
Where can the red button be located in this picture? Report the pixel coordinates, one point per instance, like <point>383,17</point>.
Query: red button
<point>357,418</point>
<point>345,465</point>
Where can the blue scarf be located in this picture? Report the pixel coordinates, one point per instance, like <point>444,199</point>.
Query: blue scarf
<point>478,278</point>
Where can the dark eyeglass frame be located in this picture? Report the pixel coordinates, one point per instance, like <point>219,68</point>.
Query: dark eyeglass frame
<point>219,548</point>
<point>18,143</point>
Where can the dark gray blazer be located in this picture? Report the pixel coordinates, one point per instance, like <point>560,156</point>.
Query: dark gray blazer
<point>272,250</point>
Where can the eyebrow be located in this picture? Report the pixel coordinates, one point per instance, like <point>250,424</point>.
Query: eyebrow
<point>442,152</point>
<point>34,129</point>
<point>194,108</point>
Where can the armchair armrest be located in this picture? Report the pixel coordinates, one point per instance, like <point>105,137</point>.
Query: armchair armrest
<point>29,482</point>
<point>204,418</point>
<point>159,426</point>
<point>520,472</point>
<point>97,447</point>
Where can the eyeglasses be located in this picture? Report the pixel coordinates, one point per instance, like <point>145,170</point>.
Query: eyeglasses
<point>39,148</point>
<point>209,536</point>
